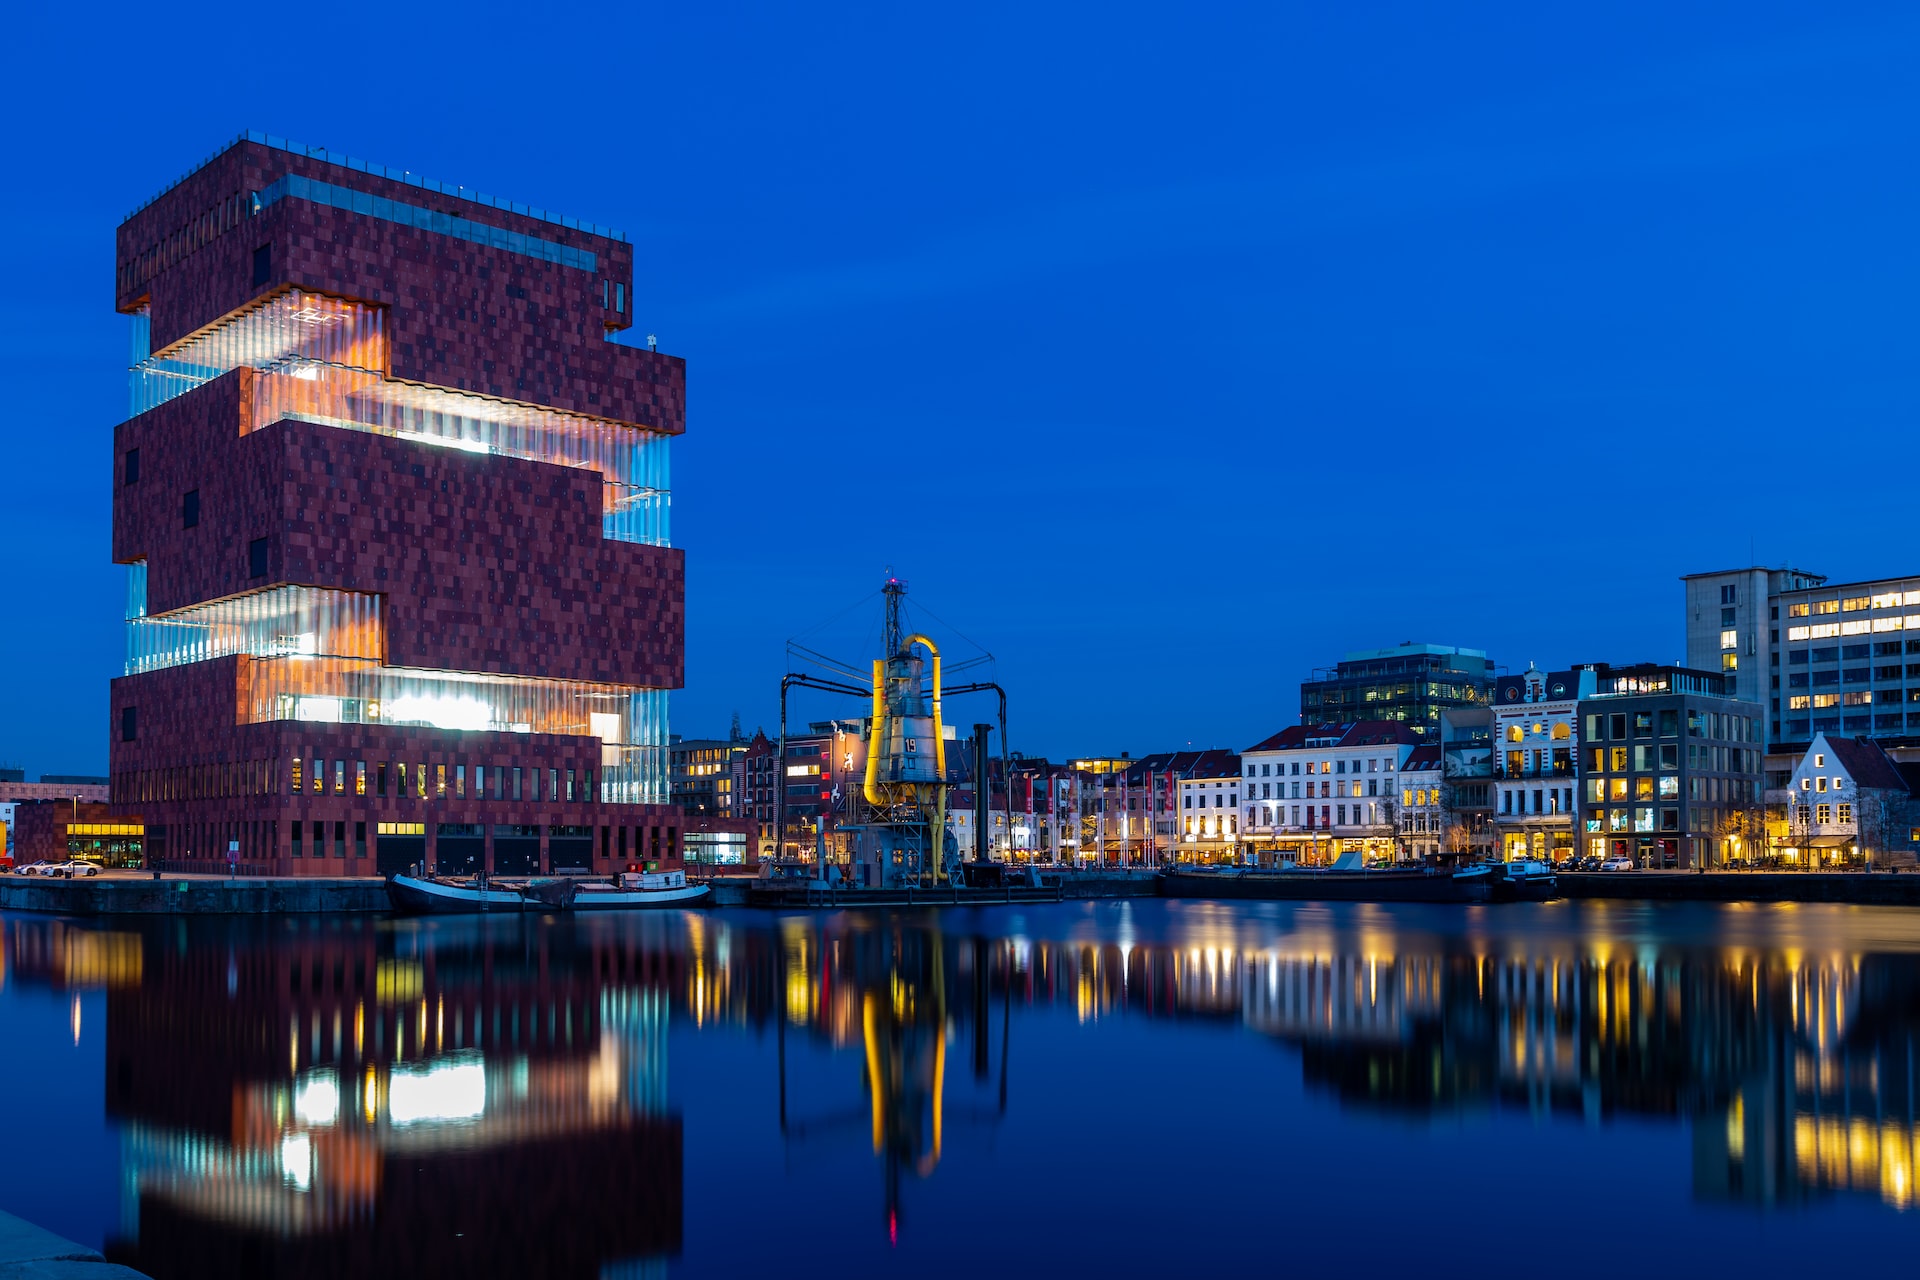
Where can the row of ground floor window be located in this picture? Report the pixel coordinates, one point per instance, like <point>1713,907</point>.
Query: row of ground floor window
<point>356,847</point>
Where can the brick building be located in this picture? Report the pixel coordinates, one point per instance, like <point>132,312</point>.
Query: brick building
<point>61,830</point>
<point>394,509</point>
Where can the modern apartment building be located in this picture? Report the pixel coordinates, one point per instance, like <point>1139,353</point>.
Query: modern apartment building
<point>1671,767</point>
<point>815,784</point>
<point>1466,798</point>
<point>702,775</point>
<point>1409,684</point>
<point>393,506</point>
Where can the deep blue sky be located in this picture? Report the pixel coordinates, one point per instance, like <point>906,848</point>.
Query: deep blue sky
<point>1246,337</point>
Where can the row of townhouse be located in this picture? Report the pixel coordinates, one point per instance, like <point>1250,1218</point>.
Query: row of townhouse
<point>1430,752</point>
<point>1654,763</point>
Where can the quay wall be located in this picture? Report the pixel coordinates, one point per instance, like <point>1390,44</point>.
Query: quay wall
<point>1068,887</point>
<point>182,895</point>
<point>1745,886</point>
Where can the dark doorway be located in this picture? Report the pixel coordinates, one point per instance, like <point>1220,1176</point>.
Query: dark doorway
<point>393,855</point>
<point>516,851</point>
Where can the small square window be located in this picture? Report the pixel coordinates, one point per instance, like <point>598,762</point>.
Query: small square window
<point>130,473</point>
<point>190,509</point>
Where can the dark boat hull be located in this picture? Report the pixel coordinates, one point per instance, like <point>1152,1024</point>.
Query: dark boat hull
<point>693,895</point>
<point>1531,889</point>
<point>416,897</point>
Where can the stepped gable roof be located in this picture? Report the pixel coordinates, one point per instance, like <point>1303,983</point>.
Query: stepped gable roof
<point>1867,764</point>
<point>1359,733</point>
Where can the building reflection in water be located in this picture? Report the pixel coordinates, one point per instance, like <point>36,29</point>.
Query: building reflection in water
<point>369,1098</point>
<point>386,1098</point>
<point>1794,1068</point>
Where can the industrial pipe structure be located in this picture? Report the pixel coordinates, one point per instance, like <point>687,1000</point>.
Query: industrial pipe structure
<point>898,726</point>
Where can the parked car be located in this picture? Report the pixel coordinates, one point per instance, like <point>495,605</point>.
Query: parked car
<point>1617,864</point>
<point>32,869</point>
<point>68,870</point>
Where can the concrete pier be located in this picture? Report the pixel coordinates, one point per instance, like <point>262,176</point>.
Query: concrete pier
<point>138,893</point>
<point>29,1253</point>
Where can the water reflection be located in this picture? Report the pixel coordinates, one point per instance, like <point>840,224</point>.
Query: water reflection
<point>387,1098</point>
<point>1790,1053</point>
<point>353,1098</point>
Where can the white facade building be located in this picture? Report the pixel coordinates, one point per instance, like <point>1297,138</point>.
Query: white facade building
<point>1314,793</point>
<point>1850,802</point>
<point>1209,819</point>
<point>1422,813</point>
<point>1535,762</point>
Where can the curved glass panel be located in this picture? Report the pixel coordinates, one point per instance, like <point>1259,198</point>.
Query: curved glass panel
<point>284,621</point>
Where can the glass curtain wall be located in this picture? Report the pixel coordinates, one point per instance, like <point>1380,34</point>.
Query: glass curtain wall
<point>298,331</point>
<point>281,622</point>
<point>631,723</point>
<point>319,359</point>
<point>632,463</point>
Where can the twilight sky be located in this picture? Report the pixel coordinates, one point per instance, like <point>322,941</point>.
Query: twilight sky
<point>1169,351</point>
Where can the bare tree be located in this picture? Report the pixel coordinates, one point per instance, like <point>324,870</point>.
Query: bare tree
<point>1876,817</point>
<point>1740,825</point>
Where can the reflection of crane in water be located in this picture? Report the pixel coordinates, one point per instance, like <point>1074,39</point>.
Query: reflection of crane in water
<point>901,983</point>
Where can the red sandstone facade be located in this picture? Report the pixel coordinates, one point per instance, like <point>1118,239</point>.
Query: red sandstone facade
<point>498,576</point>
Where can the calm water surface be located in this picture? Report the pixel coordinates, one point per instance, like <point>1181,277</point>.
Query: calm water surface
<point>1141,1088</point>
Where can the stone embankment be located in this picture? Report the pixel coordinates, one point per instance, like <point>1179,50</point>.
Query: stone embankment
<point>1069,886</point>
<point>128,893</point>
<point>1745,886</point>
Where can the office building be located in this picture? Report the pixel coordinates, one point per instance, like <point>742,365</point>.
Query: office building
<point>1670,767</point>
<point>393,506</point>
<point>1822,657</point>
<point>1409,684</point>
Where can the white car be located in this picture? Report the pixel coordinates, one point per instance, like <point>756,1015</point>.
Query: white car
<point>32,869</point>
<point>1617,864</point>
<point>71,869</point>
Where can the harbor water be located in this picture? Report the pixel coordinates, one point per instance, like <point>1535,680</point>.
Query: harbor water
<point>1135,1087</point>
